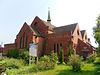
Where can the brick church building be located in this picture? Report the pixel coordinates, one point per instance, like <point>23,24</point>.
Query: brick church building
<point>50,38</point>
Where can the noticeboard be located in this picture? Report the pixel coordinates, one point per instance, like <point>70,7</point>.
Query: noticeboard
<point>33,49</point>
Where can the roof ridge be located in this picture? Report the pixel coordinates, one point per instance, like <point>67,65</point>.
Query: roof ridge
<point>70,24</point>
<point>66,28</point>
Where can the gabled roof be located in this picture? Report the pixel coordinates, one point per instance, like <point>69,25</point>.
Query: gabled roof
<point>44,22</point>
<point>30,28</point>
<point>24,25</point>
<point>48,24</point>
<point>66,28</point>
<point>82,33</point>
<point>34,30</point>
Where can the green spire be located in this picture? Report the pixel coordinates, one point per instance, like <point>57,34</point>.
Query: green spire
<point>49,19</point>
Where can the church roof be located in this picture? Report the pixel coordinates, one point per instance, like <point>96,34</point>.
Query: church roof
<point>66,28</point>
<point>34,30</point>
<point>82,33</point>
<point>48,24</point>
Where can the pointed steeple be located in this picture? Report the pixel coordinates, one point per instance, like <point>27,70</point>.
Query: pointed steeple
<point>49,19</point>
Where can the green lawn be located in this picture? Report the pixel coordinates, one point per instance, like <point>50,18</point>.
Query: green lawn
<point>87,69</point>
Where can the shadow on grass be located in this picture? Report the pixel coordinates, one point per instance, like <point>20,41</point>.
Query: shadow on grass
<point>70,72</point>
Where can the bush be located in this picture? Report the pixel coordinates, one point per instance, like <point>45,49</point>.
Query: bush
<point>53,57</point>
<point>27,69</point>
<point>75,61</point>
<point>47,62</point>
<point>2,68</point>
<point>13,53</point>
<point>61,58</point>
<point>97,61</point>
<point>91,58</point>
<point>25,56</point>
<point>11,63</point>
<point>22,71</point>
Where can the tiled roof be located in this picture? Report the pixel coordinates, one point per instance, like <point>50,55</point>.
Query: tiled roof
<point>82,32</point>
<point>34,30</point>
<point>66,28</point>
<point>48,24</point>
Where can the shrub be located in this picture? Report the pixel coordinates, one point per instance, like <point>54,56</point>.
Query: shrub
<point>12,63</point>
<point>22,71</point>
<point>75,61</point>
<point>53,57</point>
<point>2,68</point>
<point>70,50</point>
<point>13,53</point>
<point>27,69</point>
<point>97,61</point>
<point>47,62</point>
<point>25,56</point>
<point>61,58</point>
<point>91,58</point>
<point>43,63</point>
<point>98,51</point>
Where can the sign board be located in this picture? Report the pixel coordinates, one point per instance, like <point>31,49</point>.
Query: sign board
<point>33,49</point>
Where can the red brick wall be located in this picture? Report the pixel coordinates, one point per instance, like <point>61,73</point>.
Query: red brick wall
<point>41,46</point>
<point>25,36</point>
<point>63,39</point>
<point>9,46</point>
<point>76,35</point>
<point>81,46</point>
<point>1,49</point>
<point>39,26</point>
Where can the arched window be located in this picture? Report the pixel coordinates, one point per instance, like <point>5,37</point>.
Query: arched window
<point>85,37</point>
<point>77,32</point>
<point>58,48</point>
<point>26,40</point>
<point>21,42</point>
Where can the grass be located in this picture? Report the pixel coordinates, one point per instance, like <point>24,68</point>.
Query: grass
<point>87,69</point>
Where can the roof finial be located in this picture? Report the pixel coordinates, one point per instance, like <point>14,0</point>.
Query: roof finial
<point>49,19</point>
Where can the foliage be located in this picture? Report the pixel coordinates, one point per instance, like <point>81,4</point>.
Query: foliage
<point>53,57</point>
<point>70,50</point>
<point>44,63</point>
<point>13,53</point>
<point>61,58</point>
<point>96,31</point>
<point>87,69</point>
<point>23,70</point>
<point>91,57</point>
<point>97,61</point>
<point>75,61</point>
<point>12,63</point>
<point>47,62</point>
<point>2,68</point>
<point>24,55</point>
<point>98,51</point>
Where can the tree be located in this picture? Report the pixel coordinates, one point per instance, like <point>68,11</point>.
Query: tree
<point>76,62</point>
<point>61,58</point>
<point>96,31</point>
<point>13,53</point>
<point>70,50</point>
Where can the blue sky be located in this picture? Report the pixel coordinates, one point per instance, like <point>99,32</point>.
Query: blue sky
<point>13,13</point>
